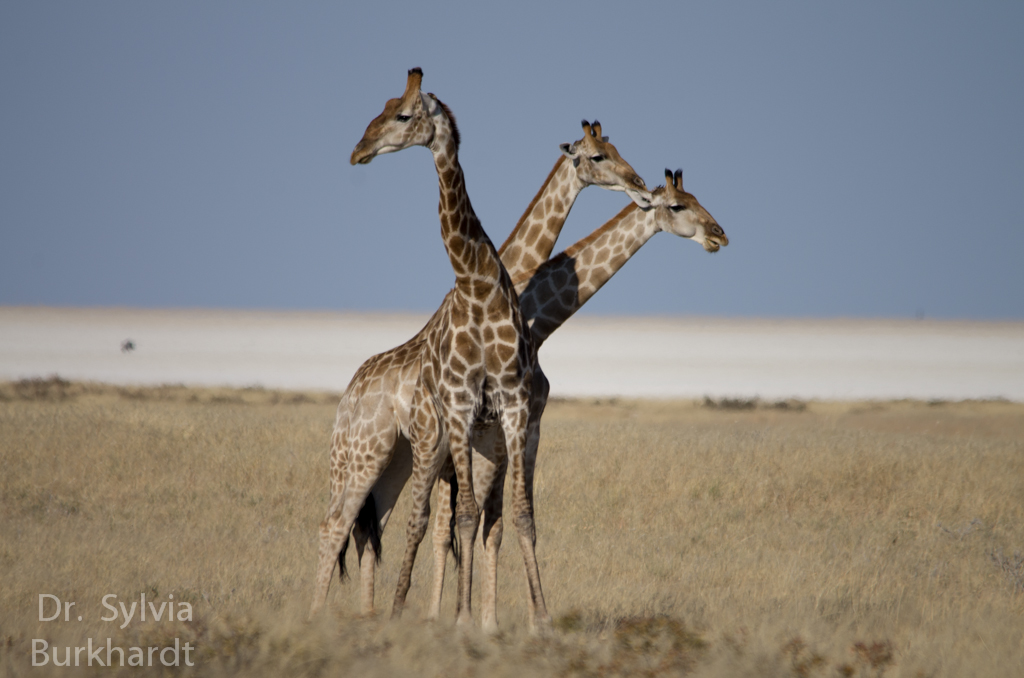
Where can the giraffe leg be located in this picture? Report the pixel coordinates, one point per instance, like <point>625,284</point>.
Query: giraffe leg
<point>488,473</point>
<point>334,532</point>
<point>425,439</point>
<point>325,567</point>
<point>349,491</point>
<point>367,550</point>
<point>538,403</point>
<point>419,516</point>
<point>522,444</point>
<point>442,536</point>
<point>524,522</point>
<point>491,531</point>
<point>374,517</point>
<point>467,515</point>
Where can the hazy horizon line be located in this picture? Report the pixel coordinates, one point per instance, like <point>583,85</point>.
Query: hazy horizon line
<point>920,317</point>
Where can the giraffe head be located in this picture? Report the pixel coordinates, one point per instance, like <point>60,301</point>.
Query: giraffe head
<point>679,212</point>
<point>598,163</point>
<point>406,121</point>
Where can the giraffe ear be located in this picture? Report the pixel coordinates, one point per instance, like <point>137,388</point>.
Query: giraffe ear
<point>430,103</point>
<point>568,150</point>
<point>604,139</point>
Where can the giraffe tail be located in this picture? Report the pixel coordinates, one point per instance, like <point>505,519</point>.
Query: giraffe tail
<point>342,572</point>
<point>367,523</point>
<point>453,534</point>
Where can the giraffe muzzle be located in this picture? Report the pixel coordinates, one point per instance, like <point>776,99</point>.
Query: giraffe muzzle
<point>361,158</point>
<point>363,153</point>
<point>641,196</point>
<point>713,243</point>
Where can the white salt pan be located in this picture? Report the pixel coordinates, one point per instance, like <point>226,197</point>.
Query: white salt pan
<point>590,356</point>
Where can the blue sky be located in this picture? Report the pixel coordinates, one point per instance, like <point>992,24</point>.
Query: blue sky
<point>865,159</point>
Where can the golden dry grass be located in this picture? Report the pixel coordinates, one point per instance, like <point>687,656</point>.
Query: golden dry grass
<point>706,539</point>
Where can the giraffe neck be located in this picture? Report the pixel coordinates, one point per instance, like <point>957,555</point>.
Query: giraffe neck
<point>560,286</point>
<point>471,252</point>
<point>531,241</point>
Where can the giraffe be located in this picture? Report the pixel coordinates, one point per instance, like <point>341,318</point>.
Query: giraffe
<point>548,296</point>
<point>374,411</point>
<point>557,289</point>
<point>477,360</point>
<point>591,161</point>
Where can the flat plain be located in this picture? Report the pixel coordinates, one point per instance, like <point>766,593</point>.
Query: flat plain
<point>690,537</point>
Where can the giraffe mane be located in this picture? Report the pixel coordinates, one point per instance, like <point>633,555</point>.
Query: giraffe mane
<point>451,118</point>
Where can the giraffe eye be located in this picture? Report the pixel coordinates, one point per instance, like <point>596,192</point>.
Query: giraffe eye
<point>597,158</point>
<point>677,208</point>
<point>403,118</point>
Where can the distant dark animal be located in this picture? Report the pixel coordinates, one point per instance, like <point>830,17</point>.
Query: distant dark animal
<point>127,346</point>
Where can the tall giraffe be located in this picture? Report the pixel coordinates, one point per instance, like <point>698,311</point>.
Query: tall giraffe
<point>477,360</point>
<point>591,161</point>
<point>374,412</point>
<point>548,296</point>
<point>557,289</point>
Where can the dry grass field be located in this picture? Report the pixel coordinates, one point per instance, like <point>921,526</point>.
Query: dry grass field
<point>675,538</point>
